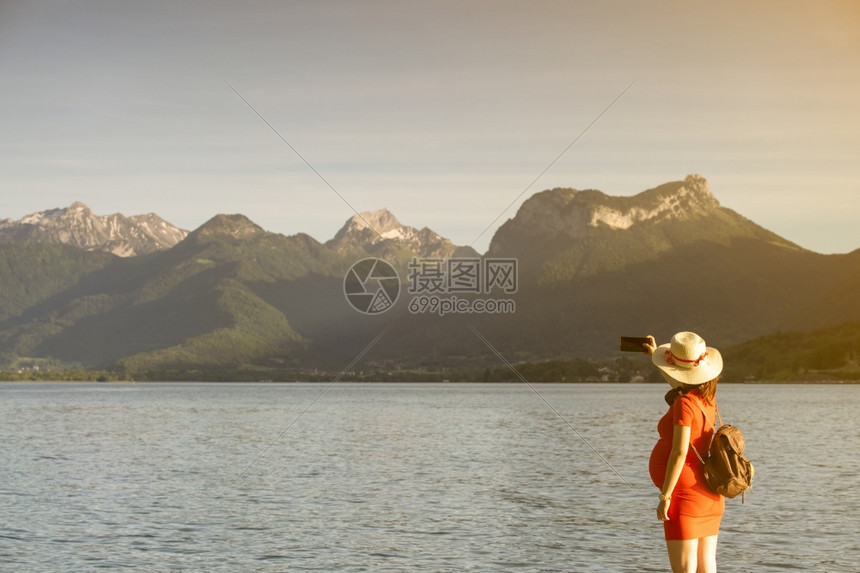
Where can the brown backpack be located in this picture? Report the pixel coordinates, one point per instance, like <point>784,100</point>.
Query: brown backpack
<point>727,471</point>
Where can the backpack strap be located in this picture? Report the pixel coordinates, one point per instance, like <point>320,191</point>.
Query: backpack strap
<point>698,455</point>
<point>702,408</point>
<point>705,414</point>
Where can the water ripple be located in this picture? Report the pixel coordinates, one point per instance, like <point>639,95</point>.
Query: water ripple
<point>398,478</point>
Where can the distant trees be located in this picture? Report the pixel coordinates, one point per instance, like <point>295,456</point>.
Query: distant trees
<point>831,351</point>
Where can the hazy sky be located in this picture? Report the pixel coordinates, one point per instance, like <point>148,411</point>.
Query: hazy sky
<point>443,112</point>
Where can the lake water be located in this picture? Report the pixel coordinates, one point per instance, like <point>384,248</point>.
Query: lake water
<point>403,477</point>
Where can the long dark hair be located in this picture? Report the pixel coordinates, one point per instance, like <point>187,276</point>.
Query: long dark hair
<point>707,391</point>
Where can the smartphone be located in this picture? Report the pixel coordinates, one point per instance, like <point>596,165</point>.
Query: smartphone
<point>633,344</point>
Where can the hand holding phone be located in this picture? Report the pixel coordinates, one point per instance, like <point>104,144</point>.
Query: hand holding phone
<point>633,344</point>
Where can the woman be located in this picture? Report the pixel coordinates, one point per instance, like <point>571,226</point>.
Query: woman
<point>690,512</point>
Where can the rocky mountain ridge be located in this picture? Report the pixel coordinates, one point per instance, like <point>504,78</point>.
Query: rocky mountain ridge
<point>570,214</point>
<point>562,234</point>
<point>373,227</point>
<point>124,236</point>
<point>78,226</point>
<point>553,216</point>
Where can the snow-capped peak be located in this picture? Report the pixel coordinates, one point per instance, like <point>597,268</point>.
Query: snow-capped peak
<point>77,225</point>
<point>370,228</point>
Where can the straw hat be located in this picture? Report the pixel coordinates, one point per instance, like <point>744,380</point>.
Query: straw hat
<point>688,360</point>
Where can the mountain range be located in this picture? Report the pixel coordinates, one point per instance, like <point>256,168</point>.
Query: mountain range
<point>232,296</point>
<point>77,225</point>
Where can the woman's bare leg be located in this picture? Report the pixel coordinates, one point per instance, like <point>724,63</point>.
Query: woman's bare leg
<point>707,554</point>
<point>683,555</point>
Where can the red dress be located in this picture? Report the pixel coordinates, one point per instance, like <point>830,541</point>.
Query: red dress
<point>695,511</point>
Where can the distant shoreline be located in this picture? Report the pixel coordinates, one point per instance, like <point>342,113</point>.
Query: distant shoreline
<point>56,380</point>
